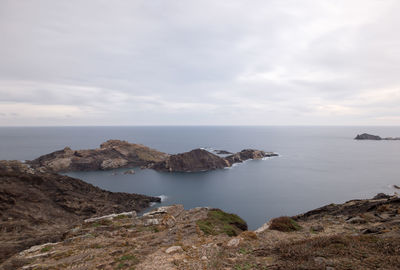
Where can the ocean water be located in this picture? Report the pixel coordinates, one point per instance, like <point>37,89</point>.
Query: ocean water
<point>316,166</point>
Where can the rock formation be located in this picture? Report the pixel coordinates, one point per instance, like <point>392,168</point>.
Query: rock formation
<point>37,207</point>
<point>111,155</point>
<point>193,161</point>
<point>247,154</point>
<point>203,160</point>
<point>366,136</point>
<point>359,234</point>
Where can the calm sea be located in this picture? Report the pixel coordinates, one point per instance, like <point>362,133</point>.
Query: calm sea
<point>316,166</point>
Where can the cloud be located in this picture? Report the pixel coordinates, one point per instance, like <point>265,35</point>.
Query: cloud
<point>209,62</point>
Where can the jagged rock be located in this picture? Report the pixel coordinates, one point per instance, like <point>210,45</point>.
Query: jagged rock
<point>111,155</point>
<point>202,160</point>
<point>193,161</point>
<point>38,207</point>
<point>247,154</point>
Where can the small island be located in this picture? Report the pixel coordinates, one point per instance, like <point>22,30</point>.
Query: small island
<point>366,136</point>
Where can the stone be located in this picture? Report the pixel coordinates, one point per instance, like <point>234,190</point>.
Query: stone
<point>131,171</point>
<point>356,220</point>
<point>151,222</point>
<point>233,242</point>
<point>317,228</point>
<point>173,249</point>
<point>204,258</point>
<point>380,196</point>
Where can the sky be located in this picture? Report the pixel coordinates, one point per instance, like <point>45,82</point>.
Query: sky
<point>209,62</point>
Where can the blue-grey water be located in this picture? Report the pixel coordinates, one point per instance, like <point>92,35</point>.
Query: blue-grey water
<point>317,165</point>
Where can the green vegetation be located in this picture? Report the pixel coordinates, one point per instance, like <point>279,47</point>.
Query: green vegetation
<point>46,249</point>
<point>284,224</point>
<point>218,222</point>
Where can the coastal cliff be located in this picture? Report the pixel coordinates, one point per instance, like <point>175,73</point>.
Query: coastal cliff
<point>38,207</point>
<point>359,234</point>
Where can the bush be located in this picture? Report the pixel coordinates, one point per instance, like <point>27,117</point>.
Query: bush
<point>284,224</point>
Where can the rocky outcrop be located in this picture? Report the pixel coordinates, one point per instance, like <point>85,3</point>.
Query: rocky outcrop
<point>111,155</point>
<point>366,136</point>
<point>194,161</point>
<point>115,154</point>
<point>38,207</point>
<point>247,154</point>
<point>203,160</point>
<point>171,238</point>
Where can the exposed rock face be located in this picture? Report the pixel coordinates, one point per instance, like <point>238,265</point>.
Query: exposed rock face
<point>111,155</point>
<point>193,161</point>
<point>248,154</point>
<point>37,207</point>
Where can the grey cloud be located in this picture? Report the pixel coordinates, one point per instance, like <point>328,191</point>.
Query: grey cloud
<point>207,62</point>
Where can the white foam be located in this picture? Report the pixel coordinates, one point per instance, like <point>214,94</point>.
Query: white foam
<point>163,198</point>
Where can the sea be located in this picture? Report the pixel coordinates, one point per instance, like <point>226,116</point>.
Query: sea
<point>317,165</point>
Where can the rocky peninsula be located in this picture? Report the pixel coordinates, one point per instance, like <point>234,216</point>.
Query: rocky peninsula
<point>366,136</point>
<point>115,154</point>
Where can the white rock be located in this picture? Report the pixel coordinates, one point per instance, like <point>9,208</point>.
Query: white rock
<point>233,242</point>
<point>129,214</point>
<point>151,221</point>
<point>204,258</point>
<point>173,249</point>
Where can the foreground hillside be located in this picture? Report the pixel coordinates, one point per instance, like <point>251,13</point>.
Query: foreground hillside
<point>359,234</point>
<point>38,207</point>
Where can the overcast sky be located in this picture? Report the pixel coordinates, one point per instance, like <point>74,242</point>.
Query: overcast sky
<point>209,62</point>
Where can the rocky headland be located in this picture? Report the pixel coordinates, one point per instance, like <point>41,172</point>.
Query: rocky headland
<point>111,155</point>
<point>38,207</point>
<point>115,154</point>
<point>203,160</point>
<point>359,234</point>
<point>366,136</point>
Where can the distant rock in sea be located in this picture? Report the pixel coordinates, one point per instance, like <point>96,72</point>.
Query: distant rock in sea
<point>366,136</point>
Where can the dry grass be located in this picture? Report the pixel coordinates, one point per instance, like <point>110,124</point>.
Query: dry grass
<point>340,252</point>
